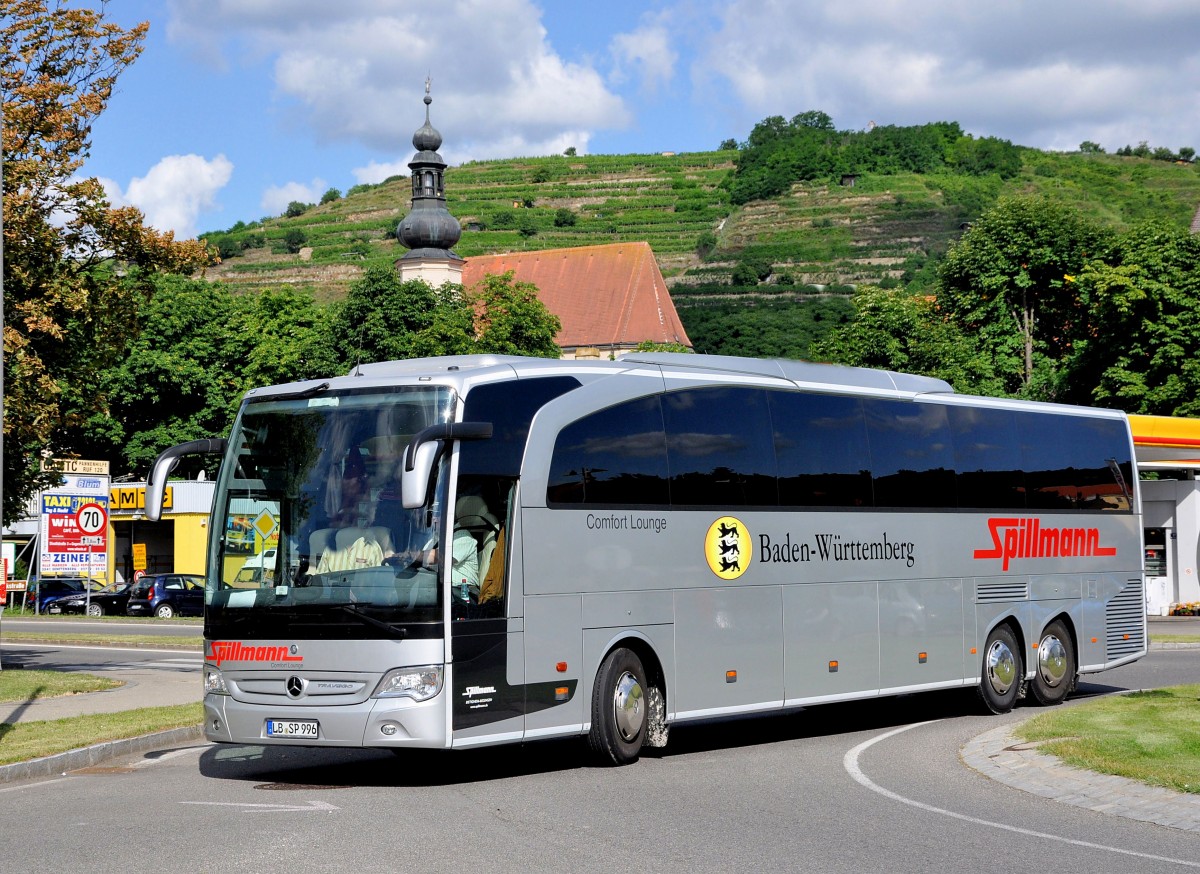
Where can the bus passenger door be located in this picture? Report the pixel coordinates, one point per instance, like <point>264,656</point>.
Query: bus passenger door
<point>488,702</point>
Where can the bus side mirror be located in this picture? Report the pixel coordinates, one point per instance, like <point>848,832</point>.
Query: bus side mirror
<point>416,480</point>
<point>156,481</point>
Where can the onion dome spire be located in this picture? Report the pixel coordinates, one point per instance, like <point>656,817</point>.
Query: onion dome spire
<point>428,231</point>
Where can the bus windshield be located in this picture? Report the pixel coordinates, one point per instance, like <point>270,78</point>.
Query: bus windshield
<point>312,539</point>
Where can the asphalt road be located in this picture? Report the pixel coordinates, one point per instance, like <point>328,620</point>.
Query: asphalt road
<point>833,788</point>
<point>186,629</point>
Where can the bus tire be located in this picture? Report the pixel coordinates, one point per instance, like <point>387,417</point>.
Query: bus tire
<point>619,708</point>
<point>1003,671</point>
<point>1055,675</point>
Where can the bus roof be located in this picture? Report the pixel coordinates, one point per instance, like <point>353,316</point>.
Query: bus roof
<point>454,369</point>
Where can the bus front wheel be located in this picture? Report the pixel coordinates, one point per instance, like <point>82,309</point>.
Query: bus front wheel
<point>1055,675</point>
<point>1003,671</point>
<point>619,708</point>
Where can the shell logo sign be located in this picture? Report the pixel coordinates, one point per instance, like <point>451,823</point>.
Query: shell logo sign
<point>727,548</point>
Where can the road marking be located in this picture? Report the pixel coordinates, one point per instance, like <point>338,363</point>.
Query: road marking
<point>33,785</point>
<point>30,645</point>
<point>850,763</point>
<point>268,808</point>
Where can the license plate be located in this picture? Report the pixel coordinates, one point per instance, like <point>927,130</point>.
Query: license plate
<point>292,728</point>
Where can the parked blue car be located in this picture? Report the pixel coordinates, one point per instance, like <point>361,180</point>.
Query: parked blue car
<point>49,589</point>
<point>166,596</point>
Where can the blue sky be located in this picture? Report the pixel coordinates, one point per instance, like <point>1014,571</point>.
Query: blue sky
<point>237,107</point>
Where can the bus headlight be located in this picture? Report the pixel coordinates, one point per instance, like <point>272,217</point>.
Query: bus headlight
<point>419,683</point>
<point>214,683</point>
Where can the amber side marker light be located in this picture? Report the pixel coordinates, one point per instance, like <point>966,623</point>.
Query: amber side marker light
<point>561,667</point>
<point>562,693</point>
<point>731,676</point>
<point>922,657</point>
<point>1094,640</point>
<point>833,666</point>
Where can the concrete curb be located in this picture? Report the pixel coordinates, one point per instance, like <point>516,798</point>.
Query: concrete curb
<point>86,757</point>
<point>998,754</point>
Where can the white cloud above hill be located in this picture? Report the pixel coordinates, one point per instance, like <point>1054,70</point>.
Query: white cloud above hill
<point>174,191</point>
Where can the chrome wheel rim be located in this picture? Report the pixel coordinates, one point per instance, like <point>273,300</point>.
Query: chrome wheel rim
<point>1001,667</point>
<point>1052,661</point>
<point>629,706</point>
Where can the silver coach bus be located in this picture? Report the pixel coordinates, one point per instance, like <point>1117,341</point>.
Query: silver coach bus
<point>486,549</point>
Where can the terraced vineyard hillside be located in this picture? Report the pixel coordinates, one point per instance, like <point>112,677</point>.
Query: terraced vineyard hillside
<point>815,239</point>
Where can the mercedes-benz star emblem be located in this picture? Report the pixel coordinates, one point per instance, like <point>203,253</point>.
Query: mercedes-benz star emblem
<point>295,687</point>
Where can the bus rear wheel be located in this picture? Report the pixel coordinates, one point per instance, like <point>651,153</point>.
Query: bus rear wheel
<point>619,708</point>
<point>1055,675</point>
<point>1003,671</point>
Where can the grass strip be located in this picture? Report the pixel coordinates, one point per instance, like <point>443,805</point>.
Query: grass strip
<point>23,685</point>
<point>1151,736</point>
<point>34,740</point>
<point>144,640</point>
<point>1175,638</point>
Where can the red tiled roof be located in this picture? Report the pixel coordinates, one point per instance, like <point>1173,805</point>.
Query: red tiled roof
<point>610,295</point>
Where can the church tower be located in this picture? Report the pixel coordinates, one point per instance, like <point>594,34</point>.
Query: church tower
<point>429,231</point>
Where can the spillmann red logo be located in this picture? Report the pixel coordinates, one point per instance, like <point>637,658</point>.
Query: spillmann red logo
<point>1028,538</point>
<point>236,651</point>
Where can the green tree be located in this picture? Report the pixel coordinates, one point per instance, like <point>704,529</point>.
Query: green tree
<point>1090,148</point>
<point>75,269</point>
<point>527,225</point>
<point>380,317</point>
<point>1005,282</point>
<point>180,379</point>
<point>728,145</point>
<point>330,196</point>
<point>511,319</point>
<point>293,338</point>
<point>294,240</point>
<point>564,217</point>
<point>1140,355</point>
<point>751,271</point>
<point>648,346</point>
<point>569,151</point>
<point>897,330</point>
<point>296,208</point>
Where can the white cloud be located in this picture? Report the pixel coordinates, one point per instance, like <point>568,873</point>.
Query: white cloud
<point>174,192</point>
<point>1047,75</point>
<point>275,199</point>
<point>376,171</point>
<point>354,70</point>
<point>648,52</point>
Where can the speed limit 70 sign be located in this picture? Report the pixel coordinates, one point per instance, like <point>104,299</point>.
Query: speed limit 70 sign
<point>91,518</point>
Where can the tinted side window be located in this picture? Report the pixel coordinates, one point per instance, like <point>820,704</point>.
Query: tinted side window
<point>1074,462</point>
<point>912,454</point>
<point>510,407</point>
<point>719,447</point>
<point>987,458</point>
<point>821,448</point>
<point>615,456</point>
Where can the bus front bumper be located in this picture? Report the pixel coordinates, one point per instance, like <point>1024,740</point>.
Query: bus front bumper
<point>376,722</point>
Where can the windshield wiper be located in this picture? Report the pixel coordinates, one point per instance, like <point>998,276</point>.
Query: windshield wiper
<point>309,392</point>
<point>372,621</point>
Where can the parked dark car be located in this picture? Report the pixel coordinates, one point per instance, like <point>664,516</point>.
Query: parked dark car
<point>102,602</point>
<point>47,590</point>
<point>166,596</point>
